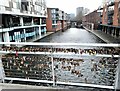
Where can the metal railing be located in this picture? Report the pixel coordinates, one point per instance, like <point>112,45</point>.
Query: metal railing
<point>62,54</point>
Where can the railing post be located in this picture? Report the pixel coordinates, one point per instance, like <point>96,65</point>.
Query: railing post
<point>1,70</point>
<point>117,79</point>
<point>53,72</point>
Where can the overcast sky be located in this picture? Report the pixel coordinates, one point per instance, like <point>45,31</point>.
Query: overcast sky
<point>69,6</point>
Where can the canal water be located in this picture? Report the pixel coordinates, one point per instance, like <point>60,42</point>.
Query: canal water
<point>72,35</point>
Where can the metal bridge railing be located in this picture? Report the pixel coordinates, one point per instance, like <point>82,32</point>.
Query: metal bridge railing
<point>28,63</point>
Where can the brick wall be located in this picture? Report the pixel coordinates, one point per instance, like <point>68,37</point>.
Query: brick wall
<point>93,17</point>
<point>116,12</point>
<point>49,20</point>
<point>58,25</point>
<point>104,18</point>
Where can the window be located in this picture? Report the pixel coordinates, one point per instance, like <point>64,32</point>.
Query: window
<point>53,16</point>
<point>0,39</point>
<point>24,5</point>
<point>54,26</point>
<point>53,21</point>
<point>53,11</point>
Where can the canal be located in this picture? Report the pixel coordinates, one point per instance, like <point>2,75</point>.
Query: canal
<point>72,35</point>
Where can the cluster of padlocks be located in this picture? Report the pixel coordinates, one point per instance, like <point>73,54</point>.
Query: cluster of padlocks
<point>63,50</point>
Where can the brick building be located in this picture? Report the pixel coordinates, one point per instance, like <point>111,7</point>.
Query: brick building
<point>52,21</point>
<point>110,17</point>
<point>92,18</point>
<point>56,20</point>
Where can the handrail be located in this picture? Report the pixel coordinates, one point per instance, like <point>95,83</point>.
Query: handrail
<point>62,83</point>
<point>59,44</point>
<point>60,53</point>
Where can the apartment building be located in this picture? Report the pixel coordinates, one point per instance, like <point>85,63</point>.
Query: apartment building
<point>92,18</point>
<point>52,21</point>
<point>110,17</point>
<point>56,20</point>
<point>22,20</point>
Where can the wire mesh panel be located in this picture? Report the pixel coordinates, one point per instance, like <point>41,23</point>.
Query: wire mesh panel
<point>100,71</point>
<point>27,66</point>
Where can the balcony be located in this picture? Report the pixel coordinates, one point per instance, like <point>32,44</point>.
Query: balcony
<point>57,18</point>
<point>110,23</point>
<point>110,20</point>
<point>111,12</point>
<point>28,24</point>
<point>57,9</point>
<point>101,15</point>
<point>57,14</point>
<point>111,3</point>
<point>43,21</point>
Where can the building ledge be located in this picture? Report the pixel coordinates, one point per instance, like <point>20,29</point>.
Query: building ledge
<point>20,27</point>
<point>110,26</point>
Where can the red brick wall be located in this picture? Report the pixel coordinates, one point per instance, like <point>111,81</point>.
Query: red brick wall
<point>104,17</point>
<point>49,21</point>
<point>49,25</point>
<point>63,24</point>
<point>115,17</point>
<point>58,25</point>
<point>93,17</point>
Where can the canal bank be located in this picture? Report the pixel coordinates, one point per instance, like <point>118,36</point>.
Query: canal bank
<point>46,35</point>
<point>105,37</point>
<point>21,86</point>
<point>40,37</point>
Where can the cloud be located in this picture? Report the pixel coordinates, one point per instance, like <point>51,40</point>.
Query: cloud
<point>70,6</point>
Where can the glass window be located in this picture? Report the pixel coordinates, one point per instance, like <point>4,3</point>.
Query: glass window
<point>13,37</point>
<point>0,39</point>
<point>18,4</point>
<point>53,26</point>
<point>53,21</point>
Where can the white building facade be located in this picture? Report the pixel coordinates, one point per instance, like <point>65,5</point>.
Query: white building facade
<point>22,20</point>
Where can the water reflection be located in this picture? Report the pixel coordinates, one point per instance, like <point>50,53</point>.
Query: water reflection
<point>72,35</point>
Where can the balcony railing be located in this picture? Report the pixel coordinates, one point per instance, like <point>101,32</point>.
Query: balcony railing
<point>111,12</point>
<point>111,3</point>
<point>41,63</point>
<point>27,24</point>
